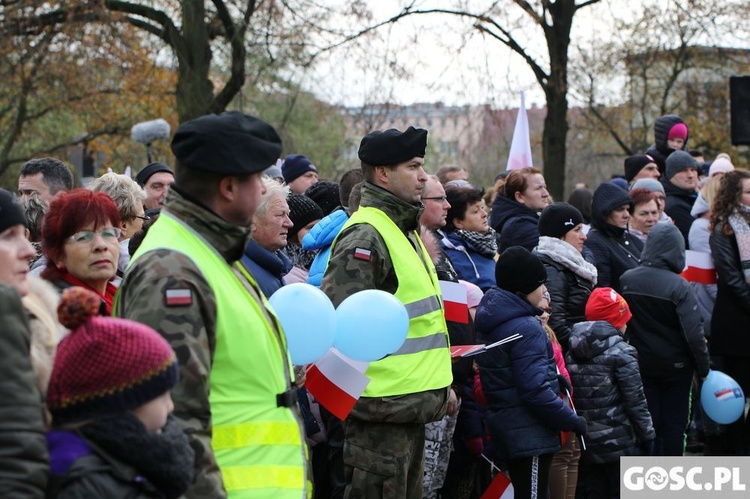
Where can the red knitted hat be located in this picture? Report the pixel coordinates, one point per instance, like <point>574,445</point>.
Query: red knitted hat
<point>105,365</point>
<point>605,304</point>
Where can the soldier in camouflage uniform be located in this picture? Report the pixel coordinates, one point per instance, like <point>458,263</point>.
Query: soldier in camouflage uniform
<point>384,435</point>
<point>215,197</point>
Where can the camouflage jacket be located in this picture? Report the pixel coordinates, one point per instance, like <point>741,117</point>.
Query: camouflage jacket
<point>346,275</point>
<point>191,329</point>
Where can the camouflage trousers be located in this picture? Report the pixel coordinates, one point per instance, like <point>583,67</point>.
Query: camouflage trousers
<point>383,460</point>
<point>438,446</point>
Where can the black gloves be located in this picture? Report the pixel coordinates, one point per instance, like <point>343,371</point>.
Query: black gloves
<point>580,427</point>
<point>564,384</point>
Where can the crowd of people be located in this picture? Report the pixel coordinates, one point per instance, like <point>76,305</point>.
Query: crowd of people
<point>142,357</point>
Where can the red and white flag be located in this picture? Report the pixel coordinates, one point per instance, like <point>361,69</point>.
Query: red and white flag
<point>699,267</point>
<point>520,147</point>
<point>337,382</point>
<point>500,488</point>
<point>455,301</point>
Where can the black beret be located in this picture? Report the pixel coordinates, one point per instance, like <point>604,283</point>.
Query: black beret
<point>392,146</point>
<point>231,143</point>
<point>519,271</point>
<point>149,170</point>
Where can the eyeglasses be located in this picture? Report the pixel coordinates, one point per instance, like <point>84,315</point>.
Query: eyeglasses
<point>111,234</point>
<point>145,218</point>
<point>435,198</point>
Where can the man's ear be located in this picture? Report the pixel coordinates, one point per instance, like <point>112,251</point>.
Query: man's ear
<point>381,175</point>
<point>228,188</point>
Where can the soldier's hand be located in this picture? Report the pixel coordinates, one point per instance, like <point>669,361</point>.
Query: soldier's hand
<point>452,403</point>
<point>300,376</point>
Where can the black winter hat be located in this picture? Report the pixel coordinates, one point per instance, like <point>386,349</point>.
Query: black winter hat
<point>558,219</point>
<point>392,146</point>
<point>230,143</point>
<point>296,165</point>
<point>302,211</point>
<point>607,197</point>
<point>10,213</point>
<point>679,161</point>
<point>634,164</point>
<point>519,271</point>
<point>325,194</point>
<point>150,169</point>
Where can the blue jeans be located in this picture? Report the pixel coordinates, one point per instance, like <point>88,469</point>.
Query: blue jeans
<point>668,400</point>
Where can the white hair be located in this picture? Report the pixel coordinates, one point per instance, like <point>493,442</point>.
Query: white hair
<point>124,191</point>
<point>274,189</point>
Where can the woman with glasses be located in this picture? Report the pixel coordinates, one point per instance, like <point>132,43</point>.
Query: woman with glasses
<point>80,239</point>
<point>129,198</point>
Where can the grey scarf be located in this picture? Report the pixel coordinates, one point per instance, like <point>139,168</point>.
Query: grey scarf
<point>566,255</point>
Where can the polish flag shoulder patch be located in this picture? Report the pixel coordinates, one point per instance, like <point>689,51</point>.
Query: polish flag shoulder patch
<point>362,254</point>
<point>178,297</point>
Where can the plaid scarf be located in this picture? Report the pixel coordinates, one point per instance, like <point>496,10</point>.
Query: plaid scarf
<point>484,244</point>
<point>739,223</point>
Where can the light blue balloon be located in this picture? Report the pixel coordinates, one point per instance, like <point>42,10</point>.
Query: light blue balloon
<point>308,319</point>
<point>722,398</point>
<point>370,324</point>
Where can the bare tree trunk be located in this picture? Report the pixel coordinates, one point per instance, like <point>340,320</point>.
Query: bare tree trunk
<point>194,89</point>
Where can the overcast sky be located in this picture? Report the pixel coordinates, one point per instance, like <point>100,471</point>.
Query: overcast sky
<point>446,65</point>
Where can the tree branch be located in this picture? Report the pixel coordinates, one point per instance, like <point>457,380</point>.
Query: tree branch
<point>236,36</point>
<point>170,34</point>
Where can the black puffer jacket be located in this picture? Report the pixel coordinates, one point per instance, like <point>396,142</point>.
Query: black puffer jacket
<point>659,150</point>
<point>608,392</point>
<point>515,224</point>
<point>569,293</point>
<point>614,249</point>
<point>678,207</point>
<point>667,327</point>
<point>730,324</point>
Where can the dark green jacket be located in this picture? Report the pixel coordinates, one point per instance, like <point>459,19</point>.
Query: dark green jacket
<point>24,464</point>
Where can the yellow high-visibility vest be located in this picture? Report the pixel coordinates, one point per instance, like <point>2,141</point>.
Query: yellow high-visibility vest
<point>423,362</point>
<point>259,447</point>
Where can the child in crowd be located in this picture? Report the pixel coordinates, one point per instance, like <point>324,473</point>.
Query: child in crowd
<point>108,394</point>
<point>609,394</point>
<point>519,379</point>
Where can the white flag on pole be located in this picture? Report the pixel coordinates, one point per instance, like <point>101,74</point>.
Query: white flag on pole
<point>520,148</point>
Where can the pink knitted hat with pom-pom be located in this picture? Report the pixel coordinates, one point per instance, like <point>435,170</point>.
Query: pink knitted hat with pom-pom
<point>105,365</point>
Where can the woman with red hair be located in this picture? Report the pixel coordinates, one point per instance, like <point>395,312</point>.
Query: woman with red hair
<point>644,213</point>
<point>80,241</point>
